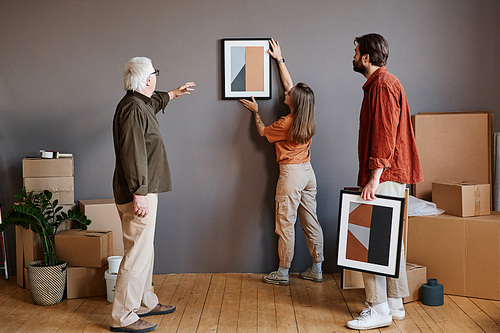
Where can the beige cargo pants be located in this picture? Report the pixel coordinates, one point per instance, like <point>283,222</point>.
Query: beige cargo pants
<point>296,193</point>
<point>377,287</point>
<point>133,293</point>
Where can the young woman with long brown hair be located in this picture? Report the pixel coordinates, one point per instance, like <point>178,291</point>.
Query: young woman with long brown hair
<point>296,188</point>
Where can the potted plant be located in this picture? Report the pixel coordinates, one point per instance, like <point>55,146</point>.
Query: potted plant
<point>47,277</point>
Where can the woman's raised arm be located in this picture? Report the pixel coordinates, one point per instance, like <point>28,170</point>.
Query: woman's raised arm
<point>275,52</point>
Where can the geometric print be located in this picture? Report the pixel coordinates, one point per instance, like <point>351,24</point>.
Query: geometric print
<point>369,232</point>
<point>247,68</point>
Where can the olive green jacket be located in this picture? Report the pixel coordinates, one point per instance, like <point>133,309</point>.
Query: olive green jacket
<point>141,160</point>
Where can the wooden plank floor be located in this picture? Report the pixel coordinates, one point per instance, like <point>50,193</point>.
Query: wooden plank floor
<point>243,303</point>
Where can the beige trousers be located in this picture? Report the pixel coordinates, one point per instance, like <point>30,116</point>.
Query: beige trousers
<point>377,287</point>
<point>296,192</point>
<point>133,293</point>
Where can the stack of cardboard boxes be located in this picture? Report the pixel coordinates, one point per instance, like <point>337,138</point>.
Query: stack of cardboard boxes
<point>55,175</point>
<point>86,253</point>
<point>460,248</point>
<point>104,216</point>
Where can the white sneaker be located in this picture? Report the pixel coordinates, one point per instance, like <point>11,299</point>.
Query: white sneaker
<point>369,319</point>
<point>398,314</point>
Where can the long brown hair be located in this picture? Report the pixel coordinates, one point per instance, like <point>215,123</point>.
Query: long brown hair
<point>303,126</point>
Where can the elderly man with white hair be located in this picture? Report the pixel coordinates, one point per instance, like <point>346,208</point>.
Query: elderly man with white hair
<point>141,172</point>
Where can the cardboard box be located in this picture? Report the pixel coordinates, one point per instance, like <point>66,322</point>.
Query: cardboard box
<point>52,167</point>
<point>85,282</point>
<point>352,279</point>
<point>84,247</point>
<point>453,145</point>
<point>62,188</point>
<point>104,216</point>
<point>462,253</point>
<point>19,257</point>
<point>416,275</point>
<point>53,184</point>
<point>26,279</point>
<point>462,198</point>
<point>28,249</point>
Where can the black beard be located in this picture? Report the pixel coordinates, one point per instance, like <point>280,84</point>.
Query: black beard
<point>359,68</point>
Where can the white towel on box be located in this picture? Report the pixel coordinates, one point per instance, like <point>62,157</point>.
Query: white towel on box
<point>419,207</point>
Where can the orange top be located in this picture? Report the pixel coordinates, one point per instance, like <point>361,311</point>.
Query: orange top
<point>287,151</point>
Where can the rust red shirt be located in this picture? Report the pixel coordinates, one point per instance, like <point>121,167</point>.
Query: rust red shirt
<point>287,151</point>
<point>386,137</point>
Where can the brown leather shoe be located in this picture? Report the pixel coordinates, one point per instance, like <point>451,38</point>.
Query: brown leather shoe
<point>139,326</point>
<point>159,309</point>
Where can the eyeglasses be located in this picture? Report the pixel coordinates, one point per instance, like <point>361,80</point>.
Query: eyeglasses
<point>156,72</point>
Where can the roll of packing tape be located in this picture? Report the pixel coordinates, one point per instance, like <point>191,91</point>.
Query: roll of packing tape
<point>432,293</point>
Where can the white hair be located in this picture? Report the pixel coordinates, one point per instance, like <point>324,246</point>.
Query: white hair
<point>136,72</point>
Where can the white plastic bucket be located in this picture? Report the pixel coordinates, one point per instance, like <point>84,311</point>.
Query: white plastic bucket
<point>110,285</point>
<point>114,264</point>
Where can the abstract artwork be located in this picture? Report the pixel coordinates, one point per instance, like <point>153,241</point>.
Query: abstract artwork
<point>370,233</point>
<point>246,68</point>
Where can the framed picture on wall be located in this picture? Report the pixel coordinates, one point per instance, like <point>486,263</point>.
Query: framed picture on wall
<point>370,233</point>
<point>246,68</point>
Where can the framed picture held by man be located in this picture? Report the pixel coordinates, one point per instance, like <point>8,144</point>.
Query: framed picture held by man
<point>370,233</point>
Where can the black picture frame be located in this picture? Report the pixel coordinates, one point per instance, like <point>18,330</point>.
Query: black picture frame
<point>370,233</point>
<point>246,68</point>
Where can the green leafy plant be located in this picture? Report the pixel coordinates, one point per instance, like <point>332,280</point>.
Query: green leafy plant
<point>43,217</point>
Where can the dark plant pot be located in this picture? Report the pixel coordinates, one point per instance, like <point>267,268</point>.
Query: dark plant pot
<point>47,283</point>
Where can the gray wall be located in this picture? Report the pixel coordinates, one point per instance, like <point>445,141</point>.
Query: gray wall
<point>61,78</point>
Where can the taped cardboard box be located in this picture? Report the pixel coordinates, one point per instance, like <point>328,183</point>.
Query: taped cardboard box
<point>462,198</point>
<point>84,247</point>
<point>104,216</point>
<point>85,282</point>
<point>52,167</point>
<point>416,276</point>
<point>62,188</point>
<point>453,145</point>
<point>462,253</point>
